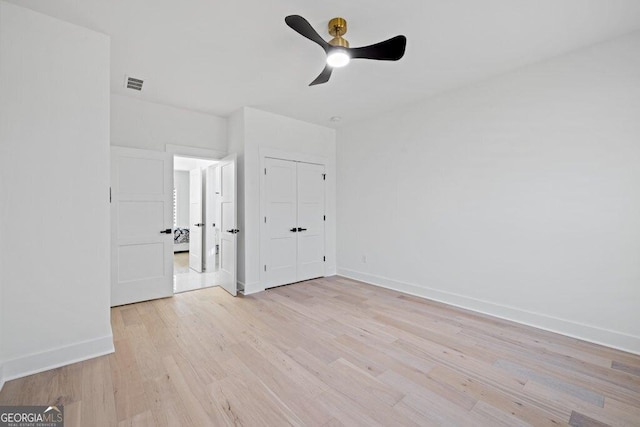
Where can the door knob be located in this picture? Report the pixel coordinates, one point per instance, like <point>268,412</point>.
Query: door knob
<point>233,231</point>
<point>302,229</point>
<point>198,224</point>
<point>294,229</point>
<point>167,231</point>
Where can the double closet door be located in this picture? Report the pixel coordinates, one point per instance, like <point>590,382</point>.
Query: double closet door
<point>294,222</point>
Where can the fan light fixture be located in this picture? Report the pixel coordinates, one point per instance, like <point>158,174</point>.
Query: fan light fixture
<point>337,49</point>
<point>338,58</point>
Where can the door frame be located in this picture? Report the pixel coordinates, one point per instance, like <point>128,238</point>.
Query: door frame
<point>196,153</point>
<point>294,157</point>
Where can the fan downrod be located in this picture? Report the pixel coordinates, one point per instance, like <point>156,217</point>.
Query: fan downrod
<point>338,28</point>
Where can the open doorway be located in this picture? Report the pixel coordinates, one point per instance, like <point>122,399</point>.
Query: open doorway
<point>144,216</point>
<point>196,237</point>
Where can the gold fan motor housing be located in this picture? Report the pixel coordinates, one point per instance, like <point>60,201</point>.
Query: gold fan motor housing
<point>338,28</point>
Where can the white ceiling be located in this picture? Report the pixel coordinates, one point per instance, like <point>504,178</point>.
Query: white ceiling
<point>217,56</point>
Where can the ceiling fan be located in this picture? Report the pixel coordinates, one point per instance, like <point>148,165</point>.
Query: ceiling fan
<point>337,49</point>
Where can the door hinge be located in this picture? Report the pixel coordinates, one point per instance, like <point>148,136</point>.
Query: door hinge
<point>265,268</point>
<point>324,217</point>
<point>265,171</point>
<point>109,194</point>
<point>324,176</point>
<point>265,219</point>
<point>324,258</point>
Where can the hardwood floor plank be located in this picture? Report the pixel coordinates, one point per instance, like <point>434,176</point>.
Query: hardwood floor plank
<point>128,388</point>
<point>552,382</point>
<point>579,420</point>
<point>191,395</point>
<point>98,400</point>
<point>633,370</point>
<point>487,414</point>
<point>567,404</point>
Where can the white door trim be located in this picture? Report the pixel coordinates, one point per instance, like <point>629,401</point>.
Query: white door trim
<point>282,155</point>
<point>201,153</point>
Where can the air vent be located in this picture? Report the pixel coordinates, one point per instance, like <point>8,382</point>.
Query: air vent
<point>132,83</point>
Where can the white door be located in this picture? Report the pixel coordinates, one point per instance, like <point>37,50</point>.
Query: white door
<point>228,223</point>
<point>141,225</point>
<point>293,249</point>
<point>196,222</point>
<point>310,208</point>
<point>211,192</point>
<point>281,222</point>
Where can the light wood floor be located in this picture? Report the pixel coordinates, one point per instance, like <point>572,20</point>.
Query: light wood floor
<point>334,352</point>
<point>180,262</point>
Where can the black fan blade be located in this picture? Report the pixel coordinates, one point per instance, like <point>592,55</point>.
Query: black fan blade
<point>388,50</point>
<point>302,27</point>
<point>323,77</point>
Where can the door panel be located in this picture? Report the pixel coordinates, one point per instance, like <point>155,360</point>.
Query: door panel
<point>140,261</point>
<point>281,245</point>
<point>140,218</point>
<point>310,207</point>
<point>228,220</point>
<point>141,207</point>
<point>210,229</point>
<point>196,223</point>
<point>138,176</point>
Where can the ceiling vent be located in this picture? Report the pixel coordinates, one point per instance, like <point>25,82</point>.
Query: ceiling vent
<point>132,83</point>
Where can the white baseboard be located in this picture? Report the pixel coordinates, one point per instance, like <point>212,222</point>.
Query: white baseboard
<point>252,288</point>
<point>572,329</point>
<point>50,359</point>
<point>1,375</point>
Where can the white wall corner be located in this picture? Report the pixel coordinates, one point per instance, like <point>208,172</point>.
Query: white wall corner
<point>55,358</point>
<point>330,270</point>
<point>577,330</point>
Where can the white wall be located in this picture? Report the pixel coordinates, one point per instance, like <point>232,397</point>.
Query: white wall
<point>181,184</point>
<point>262,130</point>
<point>1,275</point>
<point>141,124</point>
<point>54,251</point>
<point>519,197</point>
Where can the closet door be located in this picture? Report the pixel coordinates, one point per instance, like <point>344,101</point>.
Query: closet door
<point>280,257</point>
<point>310,212</point>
